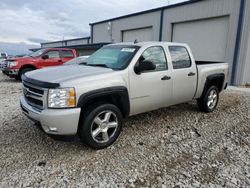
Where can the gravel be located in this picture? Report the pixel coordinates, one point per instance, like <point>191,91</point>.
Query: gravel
<point>172,147</point>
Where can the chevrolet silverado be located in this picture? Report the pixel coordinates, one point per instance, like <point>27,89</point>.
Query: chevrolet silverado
<point>92,99</point>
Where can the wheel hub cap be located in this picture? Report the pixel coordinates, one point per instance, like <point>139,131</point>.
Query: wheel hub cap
<point>104,126</point>
<point>212,99</point>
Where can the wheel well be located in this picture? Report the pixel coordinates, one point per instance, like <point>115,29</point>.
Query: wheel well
<point>214,80</point>
<point>26,66</point>
<point>115,99</point>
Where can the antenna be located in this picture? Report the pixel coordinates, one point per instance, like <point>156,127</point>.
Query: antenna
<point>135,41</point>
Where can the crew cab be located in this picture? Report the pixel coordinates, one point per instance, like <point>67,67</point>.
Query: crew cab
<point>119,80</point>
<point>16,67</point>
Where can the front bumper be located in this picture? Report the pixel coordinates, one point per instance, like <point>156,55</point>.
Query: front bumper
<point>53,121</point>
<point>11,72</point>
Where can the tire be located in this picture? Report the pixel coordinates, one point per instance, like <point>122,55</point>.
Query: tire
<point>210,100</point>
<point>23,71</point>
<point>101,125</point>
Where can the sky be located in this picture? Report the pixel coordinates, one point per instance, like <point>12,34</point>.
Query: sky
<point>25,24</point>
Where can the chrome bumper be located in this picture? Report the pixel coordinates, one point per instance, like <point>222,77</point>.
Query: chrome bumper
<point>53,121</point>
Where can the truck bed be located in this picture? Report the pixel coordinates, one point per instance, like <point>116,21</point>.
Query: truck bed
<point>204,69</point>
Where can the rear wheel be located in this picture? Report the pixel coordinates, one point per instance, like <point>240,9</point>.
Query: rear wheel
<point>101,126</point>
<point>210,100</point>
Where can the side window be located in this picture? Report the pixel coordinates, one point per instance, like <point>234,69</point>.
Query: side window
<point>53,54</point>
<point>180,57</point>
<point>67,54</point>
<point>157,56</point>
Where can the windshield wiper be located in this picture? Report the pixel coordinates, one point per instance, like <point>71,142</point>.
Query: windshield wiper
<point>83,63</point>
<point>98,65</point>
<point>93,65</point>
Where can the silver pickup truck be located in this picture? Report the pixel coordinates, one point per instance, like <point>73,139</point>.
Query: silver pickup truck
<point>119,80</point>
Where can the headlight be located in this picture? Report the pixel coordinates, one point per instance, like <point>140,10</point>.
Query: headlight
<point>13,63</point>
<point>62,98</point>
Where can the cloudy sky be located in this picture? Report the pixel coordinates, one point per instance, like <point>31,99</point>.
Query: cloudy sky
<point>26,23</point>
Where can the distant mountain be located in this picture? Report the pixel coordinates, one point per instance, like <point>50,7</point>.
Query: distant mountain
<point>16,48</point>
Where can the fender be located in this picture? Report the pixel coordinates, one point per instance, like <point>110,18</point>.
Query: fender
<point>118,91</point>
<point>210,78</point>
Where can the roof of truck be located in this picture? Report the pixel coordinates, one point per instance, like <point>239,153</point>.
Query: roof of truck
<point>147,43</point>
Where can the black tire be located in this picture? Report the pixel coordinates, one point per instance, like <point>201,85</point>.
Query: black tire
<point>203,102</point>
<point>87,125</point>
<point>23,71</point>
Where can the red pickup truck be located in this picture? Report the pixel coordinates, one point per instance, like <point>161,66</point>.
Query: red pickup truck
<point>16,67</point>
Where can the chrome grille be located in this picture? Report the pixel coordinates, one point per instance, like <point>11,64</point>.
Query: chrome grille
<point>5,64</point>
<point>35,96</point>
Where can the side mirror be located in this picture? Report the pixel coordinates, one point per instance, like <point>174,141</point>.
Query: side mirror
<point>45,57</point>
<point>144,66</point>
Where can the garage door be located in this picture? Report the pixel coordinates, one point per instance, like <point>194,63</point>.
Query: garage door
<point>143,34</point>
<point>207,38</point>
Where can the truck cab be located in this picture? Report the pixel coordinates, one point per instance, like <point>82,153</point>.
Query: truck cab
<point>119,80</point>
<point>16,67</point>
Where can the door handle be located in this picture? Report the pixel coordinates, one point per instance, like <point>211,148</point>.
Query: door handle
<point>191,74</point>
<point>166,78</point>
<point>59,60</point>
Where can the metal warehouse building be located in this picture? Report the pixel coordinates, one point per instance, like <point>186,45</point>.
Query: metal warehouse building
<point>82,45</point>
<point>216,30</point>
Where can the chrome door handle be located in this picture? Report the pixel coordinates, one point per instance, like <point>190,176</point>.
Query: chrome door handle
<point>166,78</point>
<point>191,74</point>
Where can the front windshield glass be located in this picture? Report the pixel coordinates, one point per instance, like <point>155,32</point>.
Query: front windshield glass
<point>115,56</point>
<point>37,53</point>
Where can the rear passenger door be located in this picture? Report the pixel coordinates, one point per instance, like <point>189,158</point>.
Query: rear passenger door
<point>184,74</point>
<point>66,55</point>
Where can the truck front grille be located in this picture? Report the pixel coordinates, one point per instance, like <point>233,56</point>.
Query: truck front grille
<point>34,90</point>
<point>5,64</point>
<point>35,96</point>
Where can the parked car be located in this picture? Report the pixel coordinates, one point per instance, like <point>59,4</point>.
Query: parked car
<point>77,60</point>
<point>118,81</point>
<point>16,67</point>
<point>3,57</point>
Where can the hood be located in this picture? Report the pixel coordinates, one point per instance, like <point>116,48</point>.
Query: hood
<point>61,74</point>
<point>23,59</point>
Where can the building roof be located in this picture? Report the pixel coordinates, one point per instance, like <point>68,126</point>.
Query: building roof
<point>81,46</point>
<point>147,11</point>
<point>82,38</point>
<point>88,46</point>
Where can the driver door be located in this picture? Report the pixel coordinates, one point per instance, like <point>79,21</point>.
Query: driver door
<point>151,90</point>
<point>54,58</point>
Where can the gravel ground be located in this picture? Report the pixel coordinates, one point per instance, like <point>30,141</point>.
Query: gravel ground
<point>172,147</point>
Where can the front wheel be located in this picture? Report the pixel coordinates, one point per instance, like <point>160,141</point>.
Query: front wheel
<point>210,100</point>
<point>101,126</point>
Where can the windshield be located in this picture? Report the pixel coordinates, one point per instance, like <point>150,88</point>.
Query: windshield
<point>115,56</point>
<point>37,53</point>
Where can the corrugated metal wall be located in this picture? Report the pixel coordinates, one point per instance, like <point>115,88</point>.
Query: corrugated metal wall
<point>200,10</point>
<point>243,69</point>
<point>204,10</point>
<point>101,33</point>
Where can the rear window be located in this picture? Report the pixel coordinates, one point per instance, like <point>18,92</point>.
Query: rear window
<point>67,53</point>
<point>180,57</point>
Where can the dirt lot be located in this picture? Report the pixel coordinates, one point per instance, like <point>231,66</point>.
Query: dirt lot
<point>172,147</point>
